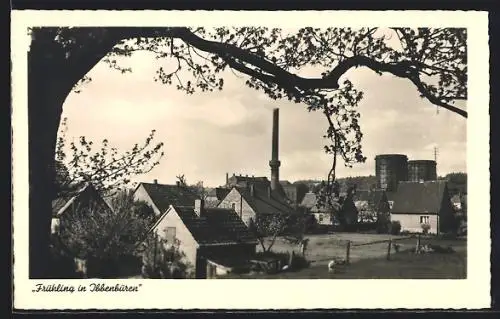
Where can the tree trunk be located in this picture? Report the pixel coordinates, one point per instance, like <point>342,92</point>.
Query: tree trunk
<point>45,99</point>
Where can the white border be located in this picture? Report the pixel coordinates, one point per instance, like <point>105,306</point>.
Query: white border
<point>473,293</point>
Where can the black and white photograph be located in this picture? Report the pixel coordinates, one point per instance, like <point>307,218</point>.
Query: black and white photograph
<point>221,147</point>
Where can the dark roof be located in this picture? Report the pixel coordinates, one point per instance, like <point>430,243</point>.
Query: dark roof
<point>285,183</point>
<point>241,180</point>
<point>165,195</point>
<point>371,196</point>
<point>262,203</point>
<point>221,192</point>
<point>310,201</point>
<point>419,197</point>
<point>85,192</point>
<point>215,226</point>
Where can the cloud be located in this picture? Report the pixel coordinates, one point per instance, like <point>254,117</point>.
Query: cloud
<point>207,135</point>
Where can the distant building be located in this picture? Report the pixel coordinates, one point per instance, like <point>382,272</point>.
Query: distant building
<point>417,203</point>
<point>371,203</point>
<point>256,200</point>
<point>345,210</point>
<point>215,196</point>
<point>212,240</point>
<point>294,192</point>
<point>161,196</point>
<point>85,197</point>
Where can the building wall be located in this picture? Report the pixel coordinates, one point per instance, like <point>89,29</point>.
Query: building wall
<point>141,195</point>
<point>187,243</point>
<point>411,222</point>
<point>323,218</point>
<point>241,206</point>
<point>54,225</point>
<point>291,192</point>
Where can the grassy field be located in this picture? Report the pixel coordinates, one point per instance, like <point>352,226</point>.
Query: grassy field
<point>323,248</point>
<point>368,258</point>
<point>403,265</point>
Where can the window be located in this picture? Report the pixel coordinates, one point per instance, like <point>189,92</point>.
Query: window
<point>170,235</point>
<point>424,220</point>
<point>233,206</point>
<point>320,218</point>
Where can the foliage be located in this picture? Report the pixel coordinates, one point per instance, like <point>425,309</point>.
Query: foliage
<point>395,228</point>
<point>457,183</point>
<point>101,165</point>
<point>197,188</point>
<point>163,260</point>
<point>272,60</point>
<point>267,227</point>
<point>434,60</point>
<point>94,231</point>
<point>293,261</point>
<point>425,228</point>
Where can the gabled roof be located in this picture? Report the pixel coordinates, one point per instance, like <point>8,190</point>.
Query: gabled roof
<point>371,196</point>
<point>310,201</point>
<point>286,183</point>
<point>63,202</point>
<point>419,197</point>
<point>262,203</point>
<point>215,226</point>
<point>164,195</point>
<point>221,192</point>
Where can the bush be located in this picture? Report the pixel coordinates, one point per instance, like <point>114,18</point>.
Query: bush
<point>367,226</point>
<point>284,257</point>
<point>395,227</point>
<point>425,228</point>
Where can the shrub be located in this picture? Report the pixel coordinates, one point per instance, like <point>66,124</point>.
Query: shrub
<point>425,228</point>
<point>160,262</point>
<point>395,227</point>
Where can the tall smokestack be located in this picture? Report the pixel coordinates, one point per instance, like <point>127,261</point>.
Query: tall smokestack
<point>274,162</point>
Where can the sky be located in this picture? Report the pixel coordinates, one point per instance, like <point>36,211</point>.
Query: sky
<point>207,135</point>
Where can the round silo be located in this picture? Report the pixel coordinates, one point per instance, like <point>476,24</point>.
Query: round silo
<point>390,169</point>
<point>422,170</point>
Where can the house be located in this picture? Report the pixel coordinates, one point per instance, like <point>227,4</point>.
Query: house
<point>261,182</point>
<point>161,196</point>
<point>256,200</point>
<point>215,196</point>
<point>417,203</point>
<point>345,210</point>
<point>85,196</point>
<point>212,240</point>
<point>294,192</point>
<point>371,203</point>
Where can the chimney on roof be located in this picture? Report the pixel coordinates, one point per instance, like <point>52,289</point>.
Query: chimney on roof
<point>155,181</point>
<point>227,178</point>
<point>252,190</point>
<point>199,207</point>
<point>269,192</point>
<point>274,162</point>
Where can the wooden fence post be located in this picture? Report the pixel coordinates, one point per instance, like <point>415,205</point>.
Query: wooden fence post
<point>348,252</point>
<point>389,249</point>
<point>417,248</point>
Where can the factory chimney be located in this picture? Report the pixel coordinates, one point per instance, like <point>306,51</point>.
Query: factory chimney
<point>274,162</point>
